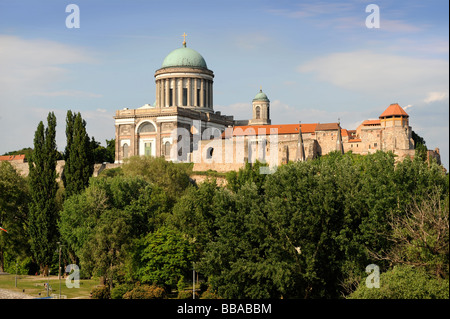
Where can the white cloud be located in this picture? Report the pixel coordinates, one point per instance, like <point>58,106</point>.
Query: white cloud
<point>29,67</point>
<point>369,72</point>
<point>436,96</point>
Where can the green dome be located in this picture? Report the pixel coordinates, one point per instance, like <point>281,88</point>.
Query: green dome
<point>261,96</point>
<point>184,57</point>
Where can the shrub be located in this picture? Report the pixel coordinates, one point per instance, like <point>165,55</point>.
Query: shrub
<point>186,295</point>
<point>118,291</point>
<point>405,282</point>
<point>100,292</point>
<point>208,294</point>
<point>146,292</point>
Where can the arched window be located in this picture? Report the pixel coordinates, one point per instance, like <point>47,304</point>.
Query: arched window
<point>147,127</point>
<point>125,150</point>
<point>257,113</point>
<point>167,148</point>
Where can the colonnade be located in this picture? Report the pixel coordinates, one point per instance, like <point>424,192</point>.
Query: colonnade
<point>185,91</point>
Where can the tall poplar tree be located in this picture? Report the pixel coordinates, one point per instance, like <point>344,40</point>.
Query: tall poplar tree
<point>69,134</point>
<point>42,217</point>
<point>78,155</point>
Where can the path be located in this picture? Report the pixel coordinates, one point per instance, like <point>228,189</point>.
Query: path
<point>9,294</point>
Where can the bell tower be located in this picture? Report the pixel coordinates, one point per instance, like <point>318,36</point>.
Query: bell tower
<point>261,109</point>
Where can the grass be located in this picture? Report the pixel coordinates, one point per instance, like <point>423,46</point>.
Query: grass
<point>34,286</point>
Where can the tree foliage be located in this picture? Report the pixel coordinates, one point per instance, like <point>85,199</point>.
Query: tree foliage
<point>164,256</point>
<point>405,282</point>
<point>14,199</point>
<point>42,217</point>
<point>78,155</point>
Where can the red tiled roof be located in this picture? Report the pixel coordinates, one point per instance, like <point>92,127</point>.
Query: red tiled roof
<point>371,122</point>
<point>344,132</point>
<point>327,127</point>
<point>394,109</point>
<point>354,140</point>
<point>247,130</point>
<point>20,157</point>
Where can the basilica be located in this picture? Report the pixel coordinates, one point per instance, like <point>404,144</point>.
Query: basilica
<point>182,126</point>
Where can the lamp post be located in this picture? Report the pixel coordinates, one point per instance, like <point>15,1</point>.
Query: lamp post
<point>16,275</point>
<point>193,280</point>
<point>59,273</point>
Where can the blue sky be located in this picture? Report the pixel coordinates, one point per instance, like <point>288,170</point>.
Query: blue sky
<point>316,60</point>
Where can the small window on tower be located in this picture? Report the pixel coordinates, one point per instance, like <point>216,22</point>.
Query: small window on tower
<point>257,113</point>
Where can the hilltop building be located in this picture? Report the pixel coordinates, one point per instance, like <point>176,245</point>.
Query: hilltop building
<point>182,125</point>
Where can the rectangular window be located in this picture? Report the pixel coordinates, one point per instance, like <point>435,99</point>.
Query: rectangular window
<point>171,97</point>
<point>198,97</point>
<point>204,98</point>
<point>184,97</point>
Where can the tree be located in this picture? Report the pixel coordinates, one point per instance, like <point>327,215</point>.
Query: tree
<point>103,154</point>
<point>193,214</point>
<point>78,155</point>
<point>106,249</point>
<point>163,257</point>
<point>419,146</point>
<point>247,257</point>
<point>172,177</point>
<point>43,215</point>
<point>13,214</point>
<point>405,282</point>
<point>421,236</point>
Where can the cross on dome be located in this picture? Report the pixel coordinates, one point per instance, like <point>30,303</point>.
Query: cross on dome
<point>184,35</point>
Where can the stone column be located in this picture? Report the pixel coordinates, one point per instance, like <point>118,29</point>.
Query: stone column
<point>195,92</point>
<point>207,93</point>
<point>180,91</point>
<point>158,140</point>
<point>211,95</point>
<point>189,88</point>
<point>166,98</point>
<point>162,95</point>
<point>157,92</point>
<point>202,89</point>
<point>117,157</point>
<point>174,90</point>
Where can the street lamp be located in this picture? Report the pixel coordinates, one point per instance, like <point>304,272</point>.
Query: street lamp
<point>59,273</point>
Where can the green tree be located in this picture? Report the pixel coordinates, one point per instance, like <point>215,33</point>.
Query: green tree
<point>420,146</point>
<point>79,158</point>
<point>163,257</point>
<point>250,172</point>
<point>14,199</point>
<point>106,249</point>
<point>193,214</point>
<point>420,236</point>
<point>247,258</point>
<point>144,205</point>
<point>43,215</point>
<point>103,154</point>
<point>405,282</point>
<point>172,177</point>
<point>79,217</point>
